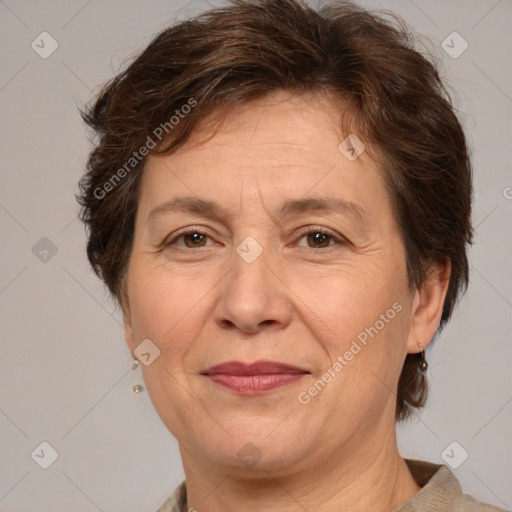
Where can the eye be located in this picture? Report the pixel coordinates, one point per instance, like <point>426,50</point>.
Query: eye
<point>192,238</point>
<point>319,238</point>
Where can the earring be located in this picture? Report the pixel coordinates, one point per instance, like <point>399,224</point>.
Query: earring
<point>423,363</point>
<point>137,388</point>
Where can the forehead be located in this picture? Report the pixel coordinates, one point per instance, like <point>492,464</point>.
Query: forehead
<point>284,145</point>
<point>282,124</point>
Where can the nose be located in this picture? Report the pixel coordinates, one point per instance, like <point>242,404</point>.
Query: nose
<point>253,296</point>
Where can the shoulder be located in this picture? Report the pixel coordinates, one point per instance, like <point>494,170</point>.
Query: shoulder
<point>440,491</point>
<point>470,504</point>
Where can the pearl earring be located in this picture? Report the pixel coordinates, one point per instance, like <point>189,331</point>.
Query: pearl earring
<point>423,366</point>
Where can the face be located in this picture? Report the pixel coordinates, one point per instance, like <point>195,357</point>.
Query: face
<point>298,261</point>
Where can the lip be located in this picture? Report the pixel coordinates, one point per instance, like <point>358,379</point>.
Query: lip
<point>255,378</point>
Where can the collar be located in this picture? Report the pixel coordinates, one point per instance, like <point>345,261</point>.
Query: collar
<point>440,491</point>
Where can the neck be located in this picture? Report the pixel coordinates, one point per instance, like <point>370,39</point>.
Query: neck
<point>370,479</point>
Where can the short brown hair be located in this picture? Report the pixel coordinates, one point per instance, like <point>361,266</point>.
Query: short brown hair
<point>234,54</point>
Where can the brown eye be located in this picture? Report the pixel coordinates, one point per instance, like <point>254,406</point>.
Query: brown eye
<point>196,239</point>
<point>317,237</point>
<point>192,239</point>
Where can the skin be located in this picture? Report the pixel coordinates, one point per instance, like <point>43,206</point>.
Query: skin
<point>301,302</point>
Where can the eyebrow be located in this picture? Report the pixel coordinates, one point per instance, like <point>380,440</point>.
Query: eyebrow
<point>291,207</point>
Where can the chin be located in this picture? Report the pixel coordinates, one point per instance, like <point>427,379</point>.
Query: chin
<point>257,447</point>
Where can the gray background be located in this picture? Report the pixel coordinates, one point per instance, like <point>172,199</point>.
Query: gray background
<point>65,371</point>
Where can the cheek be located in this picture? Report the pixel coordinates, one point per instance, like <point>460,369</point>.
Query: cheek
<point>345,302</point>
<point>358,315</point>
<point>167,307</point>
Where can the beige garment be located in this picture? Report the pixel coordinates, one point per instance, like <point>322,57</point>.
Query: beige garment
<point>440,492</point>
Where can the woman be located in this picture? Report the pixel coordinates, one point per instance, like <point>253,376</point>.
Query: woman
<point>280,201</point>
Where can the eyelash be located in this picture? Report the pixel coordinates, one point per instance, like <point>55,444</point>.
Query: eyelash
<point>302,234</point>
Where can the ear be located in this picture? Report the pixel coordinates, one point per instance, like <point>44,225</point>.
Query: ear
<point>129,335</point>
<point>427,306</point>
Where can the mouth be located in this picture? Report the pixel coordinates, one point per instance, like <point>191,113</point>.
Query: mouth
<point>255,378</point>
